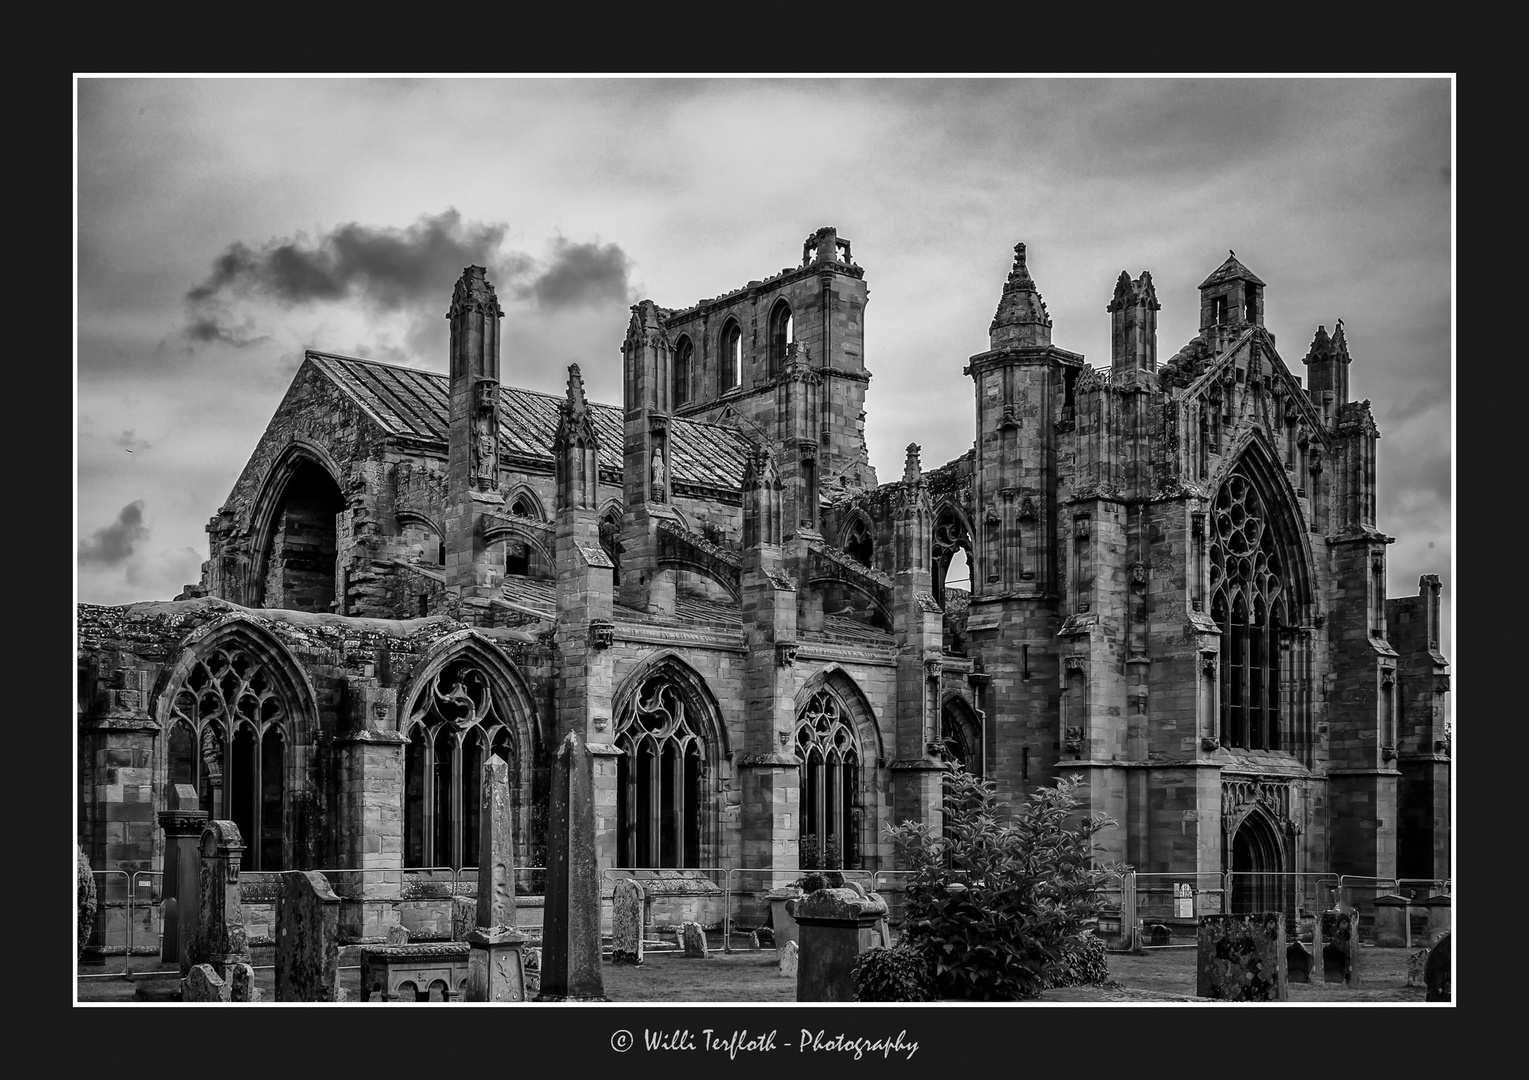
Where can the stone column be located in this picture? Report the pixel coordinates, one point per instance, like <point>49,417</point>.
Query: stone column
<point>180,885</point>
<point>220,940</point>
<point>495,965</point>
<point>570,965</point>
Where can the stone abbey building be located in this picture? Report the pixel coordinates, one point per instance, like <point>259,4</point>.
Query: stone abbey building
<point>1177,592</point>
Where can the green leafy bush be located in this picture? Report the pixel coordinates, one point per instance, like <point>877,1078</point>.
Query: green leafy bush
<point>819,859</point>
<point>85,902</point>
<point>901,973</point>
<point>1083,963</point>
<point>996,902</point>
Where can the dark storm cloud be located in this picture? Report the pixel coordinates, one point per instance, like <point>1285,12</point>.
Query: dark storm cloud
<point>398,270</point>
<point>580,275</point>
<point>112,545</point>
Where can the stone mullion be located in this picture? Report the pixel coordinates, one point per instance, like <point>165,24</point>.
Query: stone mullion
<point>654,809</point>
<point>677,809</point>
<point>454,816</point>
<point>428,798</point>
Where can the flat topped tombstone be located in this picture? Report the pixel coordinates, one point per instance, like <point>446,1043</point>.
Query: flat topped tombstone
<point>307,939</point>
<point>1242,957</point>
<point>1392,924</point>
<point>220,938</point>
<point>627,904</point>
<point>830,938</point>
<point>1438,908</point>
<point>571,927</point>
<point>495,966</point>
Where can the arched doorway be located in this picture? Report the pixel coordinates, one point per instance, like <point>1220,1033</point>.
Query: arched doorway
<point>1258,863</point>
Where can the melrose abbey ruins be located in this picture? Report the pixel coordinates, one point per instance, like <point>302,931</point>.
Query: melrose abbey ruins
<point>1174,589</point>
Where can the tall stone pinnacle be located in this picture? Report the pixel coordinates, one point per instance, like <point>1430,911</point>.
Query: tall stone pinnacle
<point>1022,319</point>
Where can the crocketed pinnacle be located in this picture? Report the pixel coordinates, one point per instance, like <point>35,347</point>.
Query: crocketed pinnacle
<point>1021,319</point>
<point>473,292</point>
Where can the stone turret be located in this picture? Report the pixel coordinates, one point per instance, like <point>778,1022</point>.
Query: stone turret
<point>1021,319</point>
<point>1133,324</point>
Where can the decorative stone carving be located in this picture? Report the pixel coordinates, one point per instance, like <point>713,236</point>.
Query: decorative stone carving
<point>1076,663</point>
<point>602,634</point>
<point>785,653</point>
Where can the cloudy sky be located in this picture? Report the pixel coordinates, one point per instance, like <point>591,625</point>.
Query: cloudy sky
<point>224,225</point>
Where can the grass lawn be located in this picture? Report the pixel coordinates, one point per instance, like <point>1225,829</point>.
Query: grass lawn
<point>1167,974</point>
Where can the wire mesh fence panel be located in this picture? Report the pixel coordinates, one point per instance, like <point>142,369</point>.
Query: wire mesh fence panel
<point>1300,896</point>
<point>1168,905</point>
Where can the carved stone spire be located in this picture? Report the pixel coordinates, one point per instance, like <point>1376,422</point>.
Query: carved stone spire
<point>1021,319</point>
<point>913,470</point>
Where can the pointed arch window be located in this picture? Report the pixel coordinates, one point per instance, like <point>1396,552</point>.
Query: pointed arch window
<point>781,334</point>
<point>610,540</point>
<point>453,725</point>
<point>951,550</point>
<point>830,756</point>
<point>731,372</point>
<point>1249,601</point>
<point>229,738</point>
<point>684,358</point>
<point>959,735</point>
<point>858,544</point>
<point>659,778</point>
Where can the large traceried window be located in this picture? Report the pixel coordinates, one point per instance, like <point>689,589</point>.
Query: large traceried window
<point>658,808</point>
<point>830,756</point>
<point>454,725</point>
<point>1249,602</point>
<point>229,739</point>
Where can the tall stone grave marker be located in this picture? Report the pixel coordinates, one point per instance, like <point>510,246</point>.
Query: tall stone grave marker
<point>220,938</point>
<point>626,922</point>
<point>307,939</point>
<point>1242,957</point>
<point>495,966</point>
<point>180,886</point>
<point>570,969</point>
<point>1340,941</point>
<point>830,924</point>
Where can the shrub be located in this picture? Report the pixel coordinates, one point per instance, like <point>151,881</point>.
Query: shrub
<point>85,903</point>
<point>818,859</point>
<point>1083,963</point>
<point>994,901</point>
<point>901,973</point>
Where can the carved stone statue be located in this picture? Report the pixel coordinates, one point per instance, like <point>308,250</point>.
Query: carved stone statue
<point>658,473</point>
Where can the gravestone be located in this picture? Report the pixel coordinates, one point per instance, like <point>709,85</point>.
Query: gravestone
<point>1340,941</point>
<point>626,922</point>
<point>830,924</point>
<point>241,983</point>
<point>694,939</point>
<point>1438,908</point>
<point>398,935</point>
<point>1392,926</point>
<point>495,967</point>
<point>1297,963</point>
<point>788,957</point>
<point>1242,957</point>
<point>179,885</point>
<point>202,984</point>
<point>1417,965</point>
<point>763,938</point>
<point>571,926</point>
<point>220,937</point>
<point>1436,974</point>
<point>782,925</point>
<point>307,939</point>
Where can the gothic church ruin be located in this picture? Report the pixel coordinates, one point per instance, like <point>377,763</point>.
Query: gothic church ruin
<point>1176,591</point>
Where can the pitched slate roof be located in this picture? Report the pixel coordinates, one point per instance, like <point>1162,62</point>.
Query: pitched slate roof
<point>414,404</point>
<point>1232,270</point>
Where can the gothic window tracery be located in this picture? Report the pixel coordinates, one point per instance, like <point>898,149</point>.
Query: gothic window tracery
<point>830,756</point>
<point>952,551</point>
<point>957,743</point>
<point>858,544</point>
<point>1248,572</point>
<point>452,727</point>
<point>659,778</point>
<point>229,739</point>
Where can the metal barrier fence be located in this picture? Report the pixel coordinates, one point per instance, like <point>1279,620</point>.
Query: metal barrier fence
<point>747,887</point>
<point>676,901</point>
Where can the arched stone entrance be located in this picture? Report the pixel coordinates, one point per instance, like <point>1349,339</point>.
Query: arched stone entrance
<point>1258,864</point>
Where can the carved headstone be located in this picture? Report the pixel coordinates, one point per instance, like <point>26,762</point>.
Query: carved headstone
<point>307,939</point>
<point>495,967</point>
<point>398,935</point>
<point>201,983</point>
<point>694,938</point>
<point>571,927</point>
<point>220,937</point>
<point>1340,941</point>
<point>464,916</point>
<point>241,983</point>
<point>788,955</point>
<point>626,922</point>
<point>1242,957</point>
